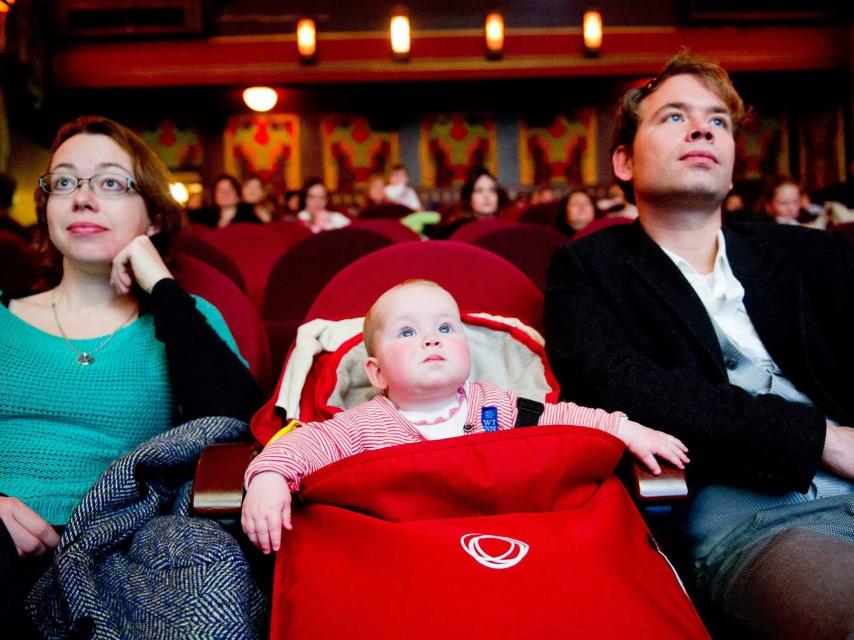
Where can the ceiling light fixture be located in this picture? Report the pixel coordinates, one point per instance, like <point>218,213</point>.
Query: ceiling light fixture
<point>494,32</point>
<point>592,31</point>
<point>401,40</point>
<point>260,98</point>
<point>307,40</point>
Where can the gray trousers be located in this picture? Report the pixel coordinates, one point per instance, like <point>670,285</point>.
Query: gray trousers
<point>779,564</point>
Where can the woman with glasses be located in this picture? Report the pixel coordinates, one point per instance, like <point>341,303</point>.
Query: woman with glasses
<point>113,353</point>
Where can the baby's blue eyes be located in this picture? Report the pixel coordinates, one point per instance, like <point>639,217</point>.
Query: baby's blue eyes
<point>408,332</point>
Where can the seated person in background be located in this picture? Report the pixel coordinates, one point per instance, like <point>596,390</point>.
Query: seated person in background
<point>227,206</point>
<point>418,357</point>
<point>291,204</point>
<point>375,191</point>
<point>480,198</point>
<point>398,190</point>
<point>733,209</point>
<point>313,213</point>
<point>781,200</point>
<point>114,353</point>
<point>732,338</point>
<point>615,203</point>
<point>576,212</point>
<point>254,192</point>
<point>7,222</point>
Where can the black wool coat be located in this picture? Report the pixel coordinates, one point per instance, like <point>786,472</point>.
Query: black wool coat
<point>625,330</point>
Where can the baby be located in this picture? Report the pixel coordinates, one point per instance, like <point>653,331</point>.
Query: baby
<point>418,357</point>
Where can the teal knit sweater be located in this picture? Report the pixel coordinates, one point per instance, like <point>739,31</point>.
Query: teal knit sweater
<point>62,424</point>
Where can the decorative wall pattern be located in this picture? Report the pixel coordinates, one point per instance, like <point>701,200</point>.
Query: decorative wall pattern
<point>454,144</point>
<point>762,148</point>
<point>822,148</point>
<point>352,151</point>
<point>562,153</point>
<point>180,149</point>
<point>264,144</point>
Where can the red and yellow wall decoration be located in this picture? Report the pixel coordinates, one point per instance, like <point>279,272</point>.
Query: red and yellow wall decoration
<point>822,148</point>
<point>352,151</point>
<point>179,148</point>
<point>451,145</point>
<point>762,148</point>
<point>562,153</point>
<point>265,144</point>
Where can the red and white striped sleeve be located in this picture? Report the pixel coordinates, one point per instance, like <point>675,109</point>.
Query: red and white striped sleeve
<point>574,414</point>
<point>306,449</point>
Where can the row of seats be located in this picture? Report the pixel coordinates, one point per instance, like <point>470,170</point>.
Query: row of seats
<point>282,269</point>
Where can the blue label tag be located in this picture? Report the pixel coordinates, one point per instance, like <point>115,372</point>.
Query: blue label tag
<point>489,418</point>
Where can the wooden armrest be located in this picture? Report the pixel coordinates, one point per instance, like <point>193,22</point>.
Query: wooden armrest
<point>218,485</point>
<point>669,486</point>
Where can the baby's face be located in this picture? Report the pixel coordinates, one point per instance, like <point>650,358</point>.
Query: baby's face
<point>421,353</point>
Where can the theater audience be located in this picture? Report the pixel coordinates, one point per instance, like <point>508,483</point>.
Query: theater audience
<point>314,214</point>
<point>112,354</point>
<point>375,191</point>
<point>732,339</point>
<point>576,212</point>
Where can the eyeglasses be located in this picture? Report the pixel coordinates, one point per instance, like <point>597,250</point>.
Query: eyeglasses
<point>103,185</point>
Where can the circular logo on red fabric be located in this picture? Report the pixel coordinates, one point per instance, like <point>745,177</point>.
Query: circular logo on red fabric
<point>503,552</point>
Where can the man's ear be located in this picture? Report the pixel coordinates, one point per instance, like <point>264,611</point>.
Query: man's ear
<point>622,163</point>
<point>375,374</point>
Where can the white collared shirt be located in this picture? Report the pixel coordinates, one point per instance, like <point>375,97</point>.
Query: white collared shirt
<point>723,297</point>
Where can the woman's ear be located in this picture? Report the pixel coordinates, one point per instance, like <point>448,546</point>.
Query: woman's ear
<point>375,374</point>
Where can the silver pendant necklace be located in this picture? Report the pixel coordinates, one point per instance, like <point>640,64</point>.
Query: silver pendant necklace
<point>84,358</point>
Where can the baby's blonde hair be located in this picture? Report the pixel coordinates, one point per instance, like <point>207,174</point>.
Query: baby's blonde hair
<point>373,322</point>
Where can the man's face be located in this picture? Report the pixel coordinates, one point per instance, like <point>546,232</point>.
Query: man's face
<point>684,148</point>
<point>421,352</point>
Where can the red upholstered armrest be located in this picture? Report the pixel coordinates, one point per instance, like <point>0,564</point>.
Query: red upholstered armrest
<point>218,485</point>
<point>669,486</point>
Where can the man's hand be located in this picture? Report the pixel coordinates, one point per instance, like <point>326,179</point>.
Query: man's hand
<point>646,443</point>
<point>138,261</point>
<point>30,532</point>
<point>838,454</point>
<point>266,509</point>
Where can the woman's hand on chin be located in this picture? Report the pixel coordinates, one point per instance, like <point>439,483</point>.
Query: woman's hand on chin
<point>30,532</point>
<point>139,261</point>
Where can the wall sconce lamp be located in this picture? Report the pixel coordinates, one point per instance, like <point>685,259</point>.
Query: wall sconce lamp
<point>592,31</point>
<point>399,31</point>
<point>494,32</point>
<point>260,98</point>
<point>5,5</point>
<point>307,40</point>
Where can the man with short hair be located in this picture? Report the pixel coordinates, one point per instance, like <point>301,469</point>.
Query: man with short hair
<point>737,340</point>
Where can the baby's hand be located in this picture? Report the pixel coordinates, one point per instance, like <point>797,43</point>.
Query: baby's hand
<point>266,509</point>
<point>646,443</point>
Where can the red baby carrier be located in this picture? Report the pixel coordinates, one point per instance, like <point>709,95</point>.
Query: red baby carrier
<point>524,533</point>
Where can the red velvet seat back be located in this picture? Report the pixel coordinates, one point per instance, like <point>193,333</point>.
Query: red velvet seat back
<point>203,280</point>
<point>392,229</point>
<point>254,248</point>
<point>543,213</point>
<point>193,245</point>
<point>388,210</point>
<point>471,231</point>
<point>300,274</point>
<point>528,246</point>
<point>478,279</point>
